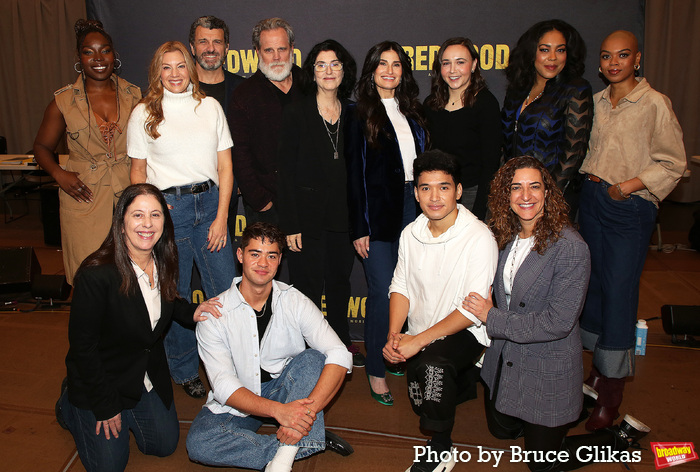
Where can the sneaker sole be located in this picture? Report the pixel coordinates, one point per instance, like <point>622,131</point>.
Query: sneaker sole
<point>636,424</point>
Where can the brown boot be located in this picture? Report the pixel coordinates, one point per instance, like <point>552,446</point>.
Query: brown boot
<point>607,405</point>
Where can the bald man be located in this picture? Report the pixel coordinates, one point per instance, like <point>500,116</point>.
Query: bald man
<point>635,159</point>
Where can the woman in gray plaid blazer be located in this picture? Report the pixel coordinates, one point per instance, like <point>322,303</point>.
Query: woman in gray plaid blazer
<point>533,369</point>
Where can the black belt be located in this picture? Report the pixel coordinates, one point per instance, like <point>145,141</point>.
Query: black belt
<point>187,189</point>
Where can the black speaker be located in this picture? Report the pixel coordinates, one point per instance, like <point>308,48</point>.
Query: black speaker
<point>681,319</point>
<point>18,266</point>
<point>50,215</point>
<point>46,287</point>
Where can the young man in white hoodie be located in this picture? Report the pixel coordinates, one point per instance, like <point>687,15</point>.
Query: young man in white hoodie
<point>443,255</point>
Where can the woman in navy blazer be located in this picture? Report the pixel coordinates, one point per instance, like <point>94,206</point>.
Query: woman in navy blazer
<point>384,132</point>
<point>533,369</point>
<point>125,297</point>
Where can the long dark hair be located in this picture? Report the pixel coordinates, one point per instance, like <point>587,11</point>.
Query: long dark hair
<point>114,251</point>
<point>521,64</point>
<point>440,92</point>
<point>505,223</point>
<point>349,68</point>
<point>369,105</point>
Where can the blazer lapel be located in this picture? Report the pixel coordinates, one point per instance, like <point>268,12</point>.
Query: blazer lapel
<point>527,274</point>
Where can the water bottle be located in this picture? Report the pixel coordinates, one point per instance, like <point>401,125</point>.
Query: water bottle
<point>640,347</point>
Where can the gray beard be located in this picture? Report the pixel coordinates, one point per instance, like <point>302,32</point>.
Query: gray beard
<point>208,67</point>
<point>276,76</point>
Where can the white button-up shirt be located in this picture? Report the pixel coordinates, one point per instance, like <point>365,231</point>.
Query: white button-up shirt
<point>232,354</point>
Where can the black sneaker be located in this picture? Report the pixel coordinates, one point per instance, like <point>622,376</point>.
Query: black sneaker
<point>433,460</point>
<point>358,359</point>
<point>57,408</point>
<point>195,388</point>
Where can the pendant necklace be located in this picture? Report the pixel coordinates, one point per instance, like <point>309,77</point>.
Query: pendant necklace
<point>332,135</point>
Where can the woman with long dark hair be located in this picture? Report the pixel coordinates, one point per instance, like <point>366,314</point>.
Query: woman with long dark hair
<point>548,109</point>
<point>464,119</point>
<point>533,370</point>
<point>384,132</point>
<point>180,142</point>
<point>124,299</point>
<point>312,179</point>
<point>93,113</point>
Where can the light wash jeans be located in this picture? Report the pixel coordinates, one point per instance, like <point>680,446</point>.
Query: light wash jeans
<point>154,426</point>
<point>232,441</point>
<point>192,215</point>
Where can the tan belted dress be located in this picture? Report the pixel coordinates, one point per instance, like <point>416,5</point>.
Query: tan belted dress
<point>98,155</point>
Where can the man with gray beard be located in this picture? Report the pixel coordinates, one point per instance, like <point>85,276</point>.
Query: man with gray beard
<point>255,117</point>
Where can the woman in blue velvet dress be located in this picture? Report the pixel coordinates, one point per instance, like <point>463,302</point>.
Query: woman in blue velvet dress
<point>548,109</point>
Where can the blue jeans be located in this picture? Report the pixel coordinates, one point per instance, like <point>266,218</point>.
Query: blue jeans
<point>155,429</point>
<point>617,234</point>
<point>379,269</point>
<point>192,215</point>
<point>232,441</point>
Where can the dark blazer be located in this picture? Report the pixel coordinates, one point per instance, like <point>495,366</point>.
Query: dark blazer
<point>255,118</point>
<point>112,345</point>
<point>310,183</point>
<point>231,81</point>
<point>554,129</point>
<point>376,179</point>
<point>537,339</point>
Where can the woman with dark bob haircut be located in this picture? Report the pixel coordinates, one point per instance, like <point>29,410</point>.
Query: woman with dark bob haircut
<point>384,132</point>
<point>312,185</point>
<point>533,370</point>
<point>464,119</point>
<point>548,109</point>
<point>124,300</point>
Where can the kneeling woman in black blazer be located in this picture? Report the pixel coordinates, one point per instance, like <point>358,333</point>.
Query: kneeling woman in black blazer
<point>533,369</point>
<point>124,299</point>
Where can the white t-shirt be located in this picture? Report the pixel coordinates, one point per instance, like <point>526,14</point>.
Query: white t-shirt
<point>407,144</point>
<point>190,136</point>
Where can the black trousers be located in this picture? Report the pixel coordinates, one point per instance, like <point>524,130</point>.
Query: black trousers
<point>322,265</point>
<point>442,376</point>
<point>547,438</point>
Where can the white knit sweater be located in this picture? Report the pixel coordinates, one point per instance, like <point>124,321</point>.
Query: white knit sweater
<point>190,137</point>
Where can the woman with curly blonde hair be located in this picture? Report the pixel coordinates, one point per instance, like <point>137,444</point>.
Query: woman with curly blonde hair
<point>178,140</point>
<point>533,369</point>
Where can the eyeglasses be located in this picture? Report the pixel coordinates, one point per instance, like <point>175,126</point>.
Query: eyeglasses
<point>321,66</point>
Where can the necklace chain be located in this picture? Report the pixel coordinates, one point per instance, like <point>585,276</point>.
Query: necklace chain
<point>333,136</point>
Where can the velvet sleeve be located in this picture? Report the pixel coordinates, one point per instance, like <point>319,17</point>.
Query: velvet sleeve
<point>355,155</point>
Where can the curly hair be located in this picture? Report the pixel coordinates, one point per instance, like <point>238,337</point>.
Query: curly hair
<point>349,68</point>
<point>114,250</point>
<point>369,104</point>
<point>521,63</point>
<point>154,98</point>
<point>440,92</point>
<point>264,232</point>
<point>505,223</point>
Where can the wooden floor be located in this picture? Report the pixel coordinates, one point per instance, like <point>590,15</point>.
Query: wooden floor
<point>33,346</point>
